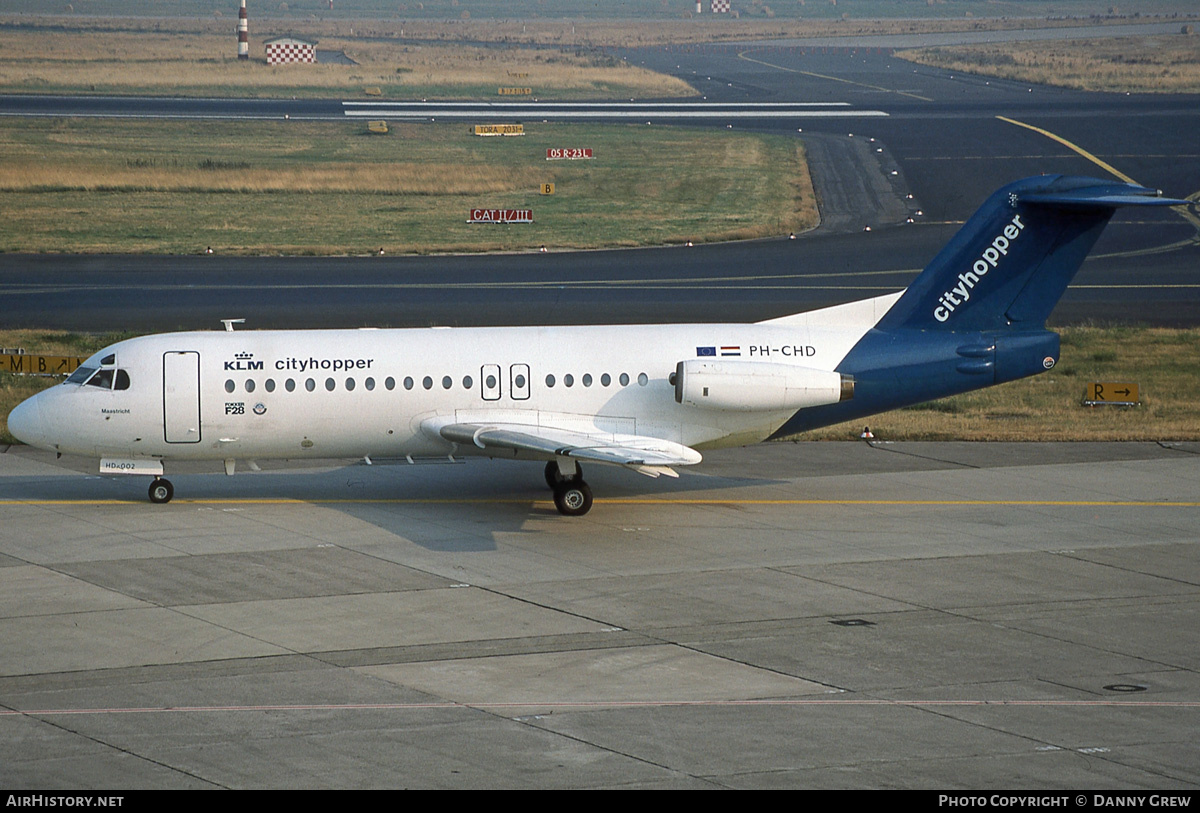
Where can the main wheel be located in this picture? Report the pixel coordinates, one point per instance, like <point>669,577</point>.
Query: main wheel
<point>161,490</point>
<point>554,477</point>
<point>573,499</point>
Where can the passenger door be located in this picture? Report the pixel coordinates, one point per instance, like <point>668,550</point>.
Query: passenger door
<point>181,396</point>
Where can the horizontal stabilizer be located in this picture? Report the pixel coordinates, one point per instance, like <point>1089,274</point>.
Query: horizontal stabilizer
<point>1099,195</point>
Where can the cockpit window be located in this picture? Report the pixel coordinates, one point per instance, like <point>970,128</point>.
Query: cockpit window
<point>105,378</point>
<point>80,375</point>
<point>102,379</point>
<point>109,360</point>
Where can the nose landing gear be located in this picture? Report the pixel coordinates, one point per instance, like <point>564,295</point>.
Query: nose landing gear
<point>572,496</point>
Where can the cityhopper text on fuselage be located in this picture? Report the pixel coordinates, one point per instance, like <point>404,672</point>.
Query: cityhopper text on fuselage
<point>649,398</point>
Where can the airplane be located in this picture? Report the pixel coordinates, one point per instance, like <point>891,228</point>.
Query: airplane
<point>649,398</point>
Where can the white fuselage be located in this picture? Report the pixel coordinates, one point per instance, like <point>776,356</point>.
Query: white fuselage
<point>342,393</point>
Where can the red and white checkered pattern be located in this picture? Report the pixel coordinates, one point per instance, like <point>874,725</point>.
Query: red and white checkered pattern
<point>281,53</point>
<point>720,6</point>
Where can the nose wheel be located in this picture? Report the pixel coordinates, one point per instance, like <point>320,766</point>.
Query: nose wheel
<point>161,490</point>
<point>572,496</point>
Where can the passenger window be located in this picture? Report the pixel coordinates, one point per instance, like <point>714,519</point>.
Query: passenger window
<point>369,384</point>
<point>624,379</point>
<point>587,379</point>
<point>643,379</point>
<point>230,386</point>
<point>447,382</point>
<point>330,384</point>
<point>408,382</point>
<point>122,382</point>
<point>290,385</point>
<point>427,383</point>
<point>390,383</point>
<point>249,385</point>
<point>550,380</point>
<point>467,382</point>
<point>605,380</point>
<point>310,385</point>
<point>349,385</point>
<point>569,380</point>
<point>270,385</point>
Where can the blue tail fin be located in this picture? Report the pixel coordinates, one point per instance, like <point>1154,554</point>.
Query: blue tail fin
<point>1011,262</point>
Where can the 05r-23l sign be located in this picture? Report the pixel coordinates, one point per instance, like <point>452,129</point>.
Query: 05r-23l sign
<point>568,153</point>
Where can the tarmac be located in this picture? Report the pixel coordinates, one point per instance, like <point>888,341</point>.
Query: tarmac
<point>811,615</point>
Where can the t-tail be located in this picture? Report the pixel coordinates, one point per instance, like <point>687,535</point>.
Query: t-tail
<point>976,315</point>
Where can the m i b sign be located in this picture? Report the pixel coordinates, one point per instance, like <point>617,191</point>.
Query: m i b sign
<point>39,365</point>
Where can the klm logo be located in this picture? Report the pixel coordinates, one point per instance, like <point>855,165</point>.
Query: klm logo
<point>243,361</point>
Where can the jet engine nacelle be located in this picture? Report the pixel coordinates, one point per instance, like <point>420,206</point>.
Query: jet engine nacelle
<point>754,386</point>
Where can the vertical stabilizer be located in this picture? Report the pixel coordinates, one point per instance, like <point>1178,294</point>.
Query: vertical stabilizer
<point>1011,262</point>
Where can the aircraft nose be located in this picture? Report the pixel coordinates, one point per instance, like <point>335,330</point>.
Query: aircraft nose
<point>25,422</point>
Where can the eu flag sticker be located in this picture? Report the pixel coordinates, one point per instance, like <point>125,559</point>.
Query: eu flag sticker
<point>706,351</point>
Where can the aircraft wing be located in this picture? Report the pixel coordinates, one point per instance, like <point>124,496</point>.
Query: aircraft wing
<point>645,455</point>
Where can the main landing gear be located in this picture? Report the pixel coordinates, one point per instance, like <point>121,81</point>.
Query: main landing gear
<point>572,497</point>
<point>161,490</point>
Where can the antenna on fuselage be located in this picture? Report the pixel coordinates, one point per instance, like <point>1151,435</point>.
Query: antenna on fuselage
<point>229,323</point>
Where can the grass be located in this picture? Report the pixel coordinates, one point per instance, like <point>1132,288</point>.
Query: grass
<point>1120,64</point>
<point>1047,407</point>
<point>202,63</point>
<point>1044,408</point>
<point>294,187</point>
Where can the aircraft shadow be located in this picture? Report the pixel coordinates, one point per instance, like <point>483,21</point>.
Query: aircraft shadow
<point>441,507</point>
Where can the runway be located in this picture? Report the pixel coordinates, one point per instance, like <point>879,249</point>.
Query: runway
<point>941,145</point>
<point>958,616</point>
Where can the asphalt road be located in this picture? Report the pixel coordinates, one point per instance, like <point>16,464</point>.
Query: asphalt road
<point>946,140</point>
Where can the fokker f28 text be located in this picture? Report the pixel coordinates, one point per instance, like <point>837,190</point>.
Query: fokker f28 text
<point>649,398</point>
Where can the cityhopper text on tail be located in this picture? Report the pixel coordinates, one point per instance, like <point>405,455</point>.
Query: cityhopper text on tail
<point>649,398</point>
